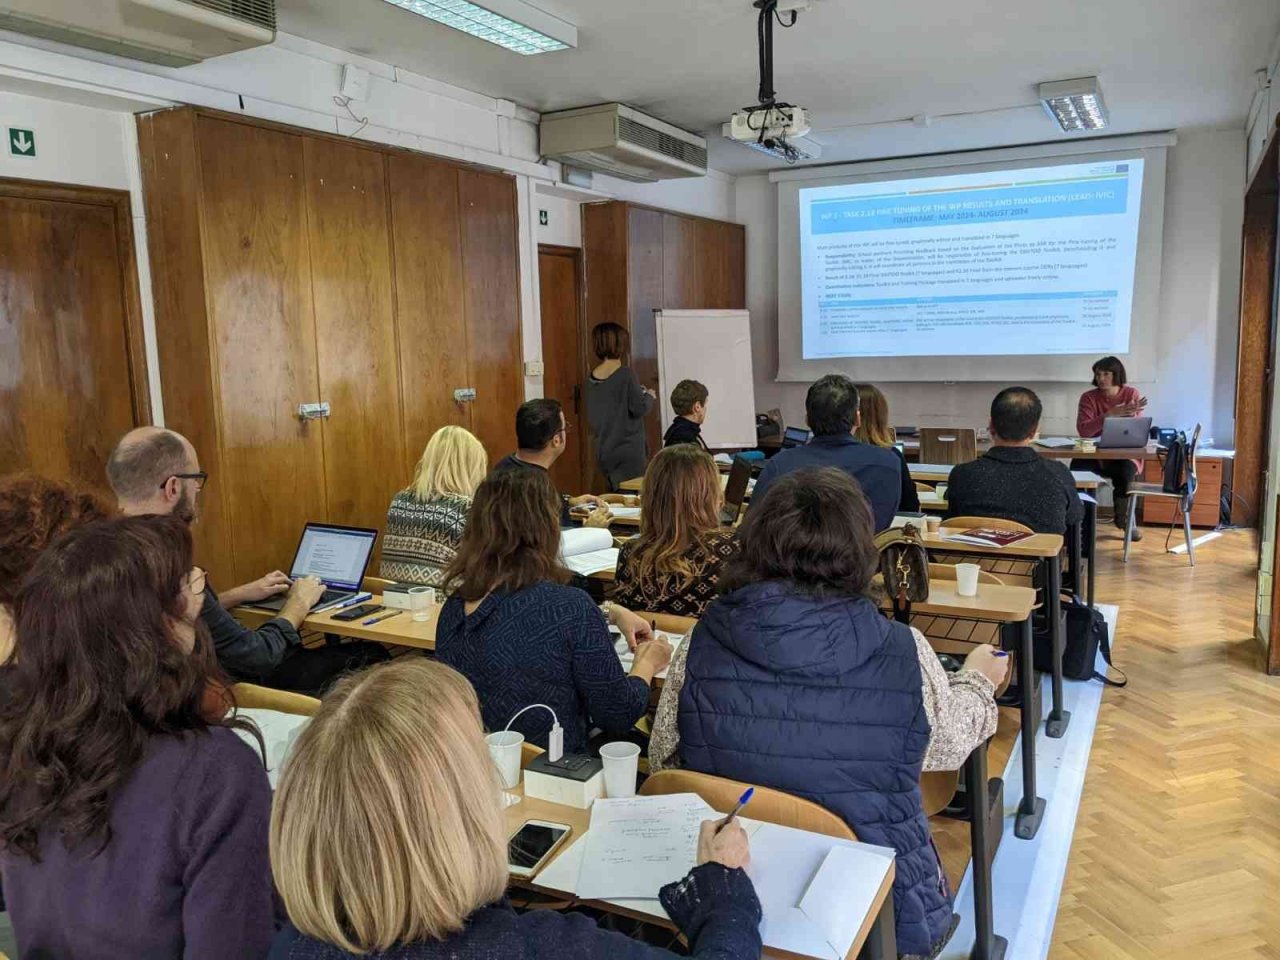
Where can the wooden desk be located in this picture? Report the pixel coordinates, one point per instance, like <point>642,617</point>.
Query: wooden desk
<point>911,450</point>
<point>402,630</point>
<point>870,943</point>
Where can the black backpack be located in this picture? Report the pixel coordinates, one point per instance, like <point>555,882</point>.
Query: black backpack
<point>1175,467</point>
<point>1085,633</point>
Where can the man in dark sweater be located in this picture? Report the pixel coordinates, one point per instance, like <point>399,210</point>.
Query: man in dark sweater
<point>831,407</point>
<point>1012,481</point>
<point>156,471</point>
<point>689,401</point>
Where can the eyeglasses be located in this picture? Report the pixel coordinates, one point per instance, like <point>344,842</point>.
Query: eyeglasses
<point>197,579</point>
<point>200,478</point>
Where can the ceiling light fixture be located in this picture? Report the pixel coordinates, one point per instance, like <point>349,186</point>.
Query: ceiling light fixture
<point>511,24</point>
<point>1075,104</point>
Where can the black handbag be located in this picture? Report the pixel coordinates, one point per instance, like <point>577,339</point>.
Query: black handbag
<point>1084,633</point>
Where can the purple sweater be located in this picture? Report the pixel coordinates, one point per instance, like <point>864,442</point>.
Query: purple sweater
<point>186,874</point>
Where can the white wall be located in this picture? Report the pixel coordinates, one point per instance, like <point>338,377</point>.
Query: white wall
<point>1199,304</point>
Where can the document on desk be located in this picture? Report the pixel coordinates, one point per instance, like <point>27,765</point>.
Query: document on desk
<point>636,846</point>
<point>629,659</point>
<point>585,564</point>
<point>624,513</point>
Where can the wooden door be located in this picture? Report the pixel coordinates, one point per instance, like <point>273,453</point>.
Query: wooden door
<point>645,261</point>
<point>430,302</point>
<point>559,283</point>
<point>258,282</point>
<point>349,239</point>
<point>487,202</point>
<point>72,370</point>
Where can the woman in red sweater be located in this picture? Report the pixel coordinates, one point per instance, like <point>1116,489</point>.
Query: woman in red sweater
<point>1111,396</point>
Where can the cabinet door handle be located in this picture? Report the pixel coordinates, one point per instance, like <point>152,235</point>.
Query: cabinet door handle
<point>464,395</point>
<point>314,411</point>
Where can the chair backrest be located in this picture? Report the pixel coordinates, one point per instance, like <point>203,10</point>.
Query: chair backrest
<point>948,445</point>
<point>253,697</point>
<point>923,487</point>
<point>767,804</point>
<point>994,523</point>
<point>947,571</point>
<point>527,752</point>
<point>375,585</point>
<point>735,491</point>
<point>1192,480</point>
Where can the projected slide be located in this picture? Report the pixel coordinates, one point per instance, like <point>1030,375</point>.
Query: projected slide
<point>1030,261</point>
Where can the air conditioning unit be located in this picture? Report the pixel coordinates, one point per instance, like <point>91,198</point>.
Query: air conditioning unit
<point>174,33</point>
<point>623,143</point>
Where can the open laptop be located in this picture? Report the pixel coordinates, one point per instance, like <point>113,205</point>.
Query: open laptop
<point>735,490</point>
<point>337,555</point>
<point>1124,433</point>
<point>794,437</point>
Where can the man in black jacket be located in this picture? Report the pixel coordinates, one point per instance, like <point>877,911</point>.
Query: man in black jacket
<point>1012,481</point>
<point>156,471</point>
<point>689,402</point>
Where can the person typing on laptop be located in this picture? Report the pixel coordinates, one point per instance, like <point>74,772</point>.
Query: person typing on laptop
<point>156,471</point>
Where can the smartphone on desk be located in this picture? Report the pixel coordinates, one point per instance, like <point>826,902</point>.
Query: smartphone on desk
<point>533,844</point>
<point>356,612</point>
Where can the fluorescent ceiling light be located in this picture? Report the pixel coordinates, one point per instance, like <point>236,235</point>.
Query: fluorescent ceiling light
<point>1075,104</point>
<point>511,24</point>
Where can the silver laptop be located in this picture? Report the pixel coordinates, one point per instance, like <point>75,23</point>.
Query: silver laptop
<point>337,555</point>
<point>1124,433</point>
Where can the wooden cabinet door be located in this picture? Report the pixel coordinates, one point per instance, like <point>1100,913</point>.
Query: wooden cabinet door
<point>350,245</point>
<point>487,202</point>
<point>430,300</point>
<point>258,281</point>
<point>68,309</point>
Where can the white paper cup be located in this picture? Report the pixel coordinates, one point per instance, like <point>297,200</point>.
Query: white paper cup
<point>621,767</point>
<point>934,524</point>
<point>967,579</point>
<point>504,747</point>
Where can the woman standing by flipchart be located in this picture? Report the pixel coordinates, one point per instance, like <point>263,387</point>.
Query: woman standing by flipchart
<point>616,407</point>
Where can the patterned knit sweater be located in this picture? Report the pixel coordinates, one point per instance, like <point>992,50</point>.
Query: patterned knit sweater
<point>422,537</point>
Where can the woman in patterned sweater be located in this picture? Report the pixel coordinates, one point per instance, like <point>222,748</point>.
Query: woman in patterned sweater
<point>674,565</point>
<point>426,521</point>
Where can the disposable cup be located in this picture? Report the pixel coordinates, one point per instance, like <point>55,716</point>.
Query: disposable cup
<point>421,600</point>
<point>621,767</point>
<point>967,579</point>
<point>934,524</point>
<point>504,748</point>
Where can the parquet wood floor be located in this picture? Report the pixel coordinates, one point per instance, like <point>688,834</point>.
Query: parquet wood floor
<point>1176,852</point>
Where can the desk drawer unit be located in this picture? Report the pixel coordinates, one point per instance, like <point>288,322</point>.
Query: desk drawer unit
<point>1157,511</point>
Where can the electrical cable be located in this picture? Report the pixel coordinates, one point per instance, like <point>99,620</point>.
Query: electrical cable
<point>345,103</point>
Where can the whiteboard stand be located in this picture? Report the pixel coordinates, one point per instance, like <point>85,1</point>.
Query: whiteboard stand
<point>714,348</point>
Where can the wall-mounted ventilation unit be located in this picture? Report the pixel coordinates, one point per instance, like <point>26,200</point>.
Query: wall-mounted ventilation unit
<point>174,33</point>
<point>623,143</point>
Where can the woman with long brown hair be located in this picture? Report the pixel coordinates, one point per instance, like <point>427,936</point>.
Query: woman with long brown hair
<point>522,636</point>
<point>131,823</point>
<point>873,428</point>
<point>673,566</point>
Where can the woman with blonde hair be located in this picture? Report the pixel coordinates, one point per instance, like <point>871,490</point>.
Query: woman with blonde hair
<point>388,834</point>
<point>425,522</point>
<point>873,428</point>
<point>673,566</point>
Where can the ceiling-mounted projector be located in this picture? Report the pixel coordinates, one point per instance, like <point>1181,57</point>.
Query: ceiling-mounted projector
<point>768,123</point>
<point>770,126</point>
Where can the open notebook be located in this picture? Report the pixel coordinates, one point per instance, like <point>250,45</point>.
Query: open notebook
<point>588,550</point>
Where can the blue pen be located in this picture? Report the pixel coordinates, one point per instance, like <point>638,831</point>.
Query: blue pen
<point>742,802</point>
<point>386,616</point>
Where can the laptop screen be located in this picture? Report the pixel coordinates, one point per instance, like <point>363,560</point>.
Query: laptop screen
<point>794,437</point>
<point>337,555</point>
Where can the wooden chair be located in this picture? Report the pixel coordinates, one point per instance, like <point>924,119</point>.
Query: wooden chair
<point>527,752</point>
<point>1186,501</point>
<point>939,445</point>
<point>374,585</point>
<point>767,804</point>
<point>252,697</point>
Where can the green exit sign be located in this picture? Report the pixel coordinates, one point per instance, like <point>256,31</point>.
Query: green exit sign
<point>22,143</point>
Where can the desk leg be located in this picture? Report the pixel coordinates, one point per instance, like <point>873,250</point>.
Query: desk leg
<point>1031,810</point>
<point>1090,544</point>
<point>986,945</point>
<point>882,941</point>
<point>1056,725</point>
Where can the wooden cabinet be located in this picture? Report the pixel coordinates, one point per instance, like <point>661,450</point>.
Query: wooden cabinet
<point>637,260</point>
<point>1211,472</point>
<point>291,267</point>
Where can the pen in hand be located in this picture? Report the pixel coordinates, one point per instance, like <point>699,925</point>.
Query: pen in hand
<point>742,802</point>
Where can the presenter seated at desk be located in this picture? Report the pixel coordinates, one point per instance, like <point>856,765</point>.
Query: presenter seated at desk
<point>794,679</point>
<point>874,428</point>
<point>831,408</point>
<point>155,471</point>
<point>689,403</point>
<point>1111,396</point>
<point>425,522</point>
<point>674,565</point>
<point>1011,480</point>
<point>522,636</point>
<point>133,822</point>
<point>34,512</point>
<point>405,855</point>
<point>616,407</point>
<point>541,435</point>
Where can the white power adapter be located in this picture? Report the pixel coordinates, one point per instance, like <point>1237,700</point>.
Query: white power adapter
<point>555,742</point>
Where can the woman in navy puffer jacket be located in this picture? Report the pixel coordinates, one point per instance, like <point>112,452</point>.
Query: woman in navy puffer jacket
<point>796,681</point>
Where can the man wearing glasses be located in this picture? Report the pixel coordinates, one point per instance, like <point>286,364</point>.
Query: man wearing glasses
<point>156,471</point>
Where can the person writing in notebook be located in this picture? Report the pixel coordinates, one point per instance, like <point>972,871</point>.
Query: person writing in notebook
<point>1111,396</point>
<point>1011,480</point>
<point>689,402</point>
